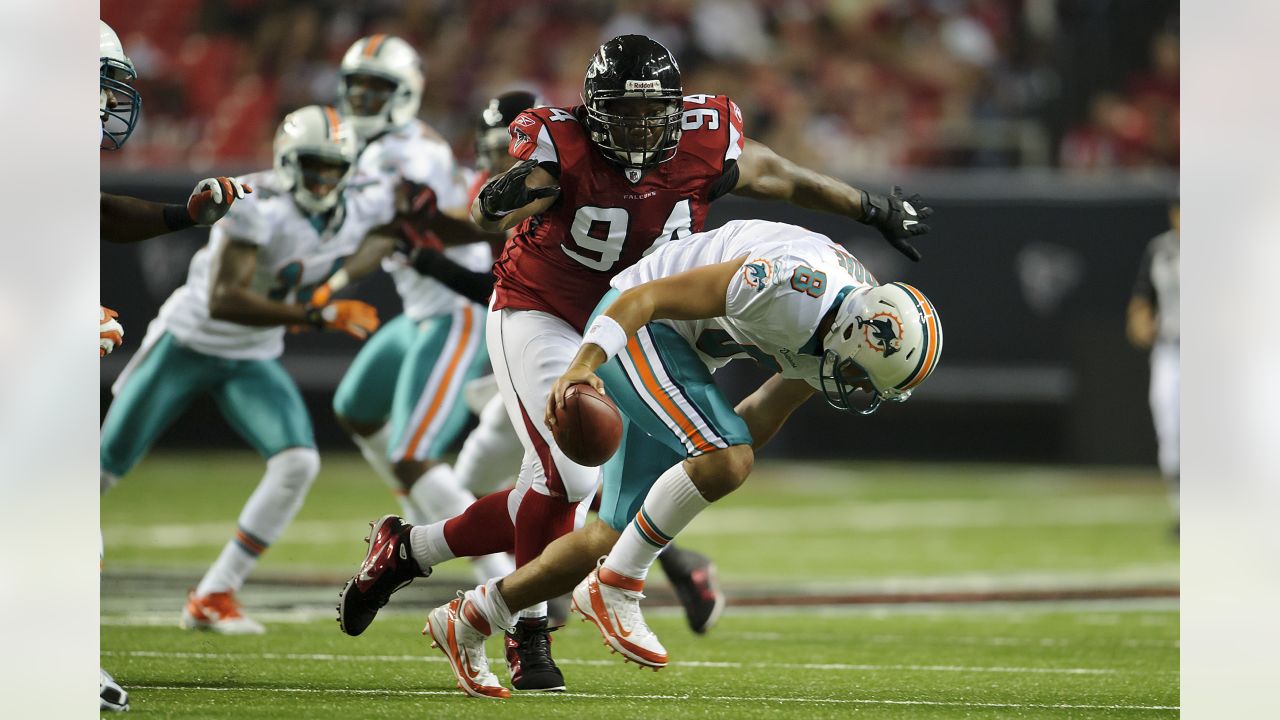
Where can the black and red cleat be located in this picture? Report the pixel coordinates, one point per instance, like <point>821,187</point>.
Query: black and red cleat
<point>387,567</point>
<point>693,577</point>
<point>529,657</point>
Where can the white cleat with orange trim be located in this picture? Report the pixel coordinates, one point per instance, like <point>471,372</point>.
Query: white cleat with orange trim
<point>453,629</point>
<point>219,612</point>
<point>612,602</point>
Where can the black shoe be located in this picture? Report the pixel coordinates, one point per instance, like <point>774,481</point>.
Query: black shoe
<point>693,577</point>
<point>387,567</point>
<point>529,657</point>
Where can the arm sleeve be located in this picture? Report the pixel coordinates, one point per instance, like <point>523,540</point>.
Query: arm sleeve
<point>475,286</point>
<point>530,138</point>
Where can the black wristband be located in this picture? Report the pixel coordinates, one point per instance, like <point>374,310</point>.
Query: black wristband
<point>176,217</point>
<point>314,318</point>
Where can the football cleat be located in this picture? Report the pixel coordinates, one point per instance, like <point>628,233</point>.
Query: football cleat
<point>387,567</point>
<point>453,629</point>
<point>612,602</point>
<point>111,697</point>
<point>693,577</point>
<point>219,612</point>
<point>529,657</point>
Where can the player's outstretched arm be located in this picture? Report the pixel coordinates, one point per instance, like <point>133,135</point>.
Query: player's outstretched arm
<point>762,173</point>
<point>521,192</point>
<point>691,295</point>
<point>124,219</point>
<point>766,409</point>
<point>231,299</point>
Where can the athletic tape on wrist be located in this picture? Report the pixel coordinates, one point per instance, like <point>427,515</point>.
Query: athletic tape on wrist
<point>607,334</point>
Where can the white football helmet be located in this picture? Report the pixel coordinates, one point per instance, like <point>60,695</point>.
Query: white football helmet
<point>315,133</point>
<point>118,101</point>
<point>890,335</point>
<point>388,58</point>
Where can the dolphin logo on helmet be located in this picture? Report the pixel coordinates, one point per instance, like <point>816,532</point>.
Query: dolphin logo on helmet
<point>889,336</point>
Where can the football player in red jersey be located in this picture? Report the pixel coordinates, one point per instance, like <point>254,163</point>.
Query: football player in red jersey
<point>599,186</point>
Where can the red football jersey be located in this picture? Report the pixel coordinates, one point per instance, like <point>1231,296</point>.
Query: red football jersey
<point>561,261</point>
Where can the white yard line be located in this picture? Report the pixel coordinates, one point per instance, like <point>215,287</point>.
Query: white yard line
<point>714,698</point>
<point>872,516</point>
<point>841,667</point>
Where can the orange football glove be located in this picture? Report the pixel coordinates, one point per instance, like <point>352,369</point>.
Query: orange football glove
<point>110,331</point>
<point>353,317</point>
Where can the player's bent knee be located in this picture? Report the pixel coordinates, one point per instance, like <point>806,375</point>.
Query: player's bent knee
<point>719,473</point>
<point>296,468</point>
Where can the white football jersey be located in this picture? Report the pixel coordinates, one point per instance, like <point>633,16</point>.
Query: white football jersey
<point>415,152</point>
<point>292,254</point>
<point>790,278</point>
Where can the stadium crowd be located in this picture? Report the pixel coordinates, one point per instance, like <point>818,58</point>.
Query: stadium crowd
<point>845,86</point>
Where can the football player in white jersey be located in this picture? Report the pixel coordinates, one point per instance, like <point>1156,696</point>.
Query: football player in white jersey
<point>272,262</point>
<point>401,400</point>
<point>124,219</point>
<point>788,298</point>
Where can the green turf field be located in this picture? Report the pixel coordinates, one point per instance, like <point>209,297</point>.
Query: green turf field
<point>914,569</point>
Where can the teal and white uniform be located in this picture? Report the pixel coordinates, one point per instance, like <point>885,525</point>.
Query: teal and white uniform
<point>671,408</point>
<point>186,352</point>
<point>412,371</point>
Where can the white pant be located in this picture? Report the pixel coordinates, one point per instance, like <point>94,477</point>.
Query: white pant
<point>1165,372</point>
<point>530,350</point>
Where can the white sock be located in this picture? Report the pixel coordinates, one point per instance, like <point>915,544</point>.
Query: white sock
<point>491,454</point>
<point>491,604</point>
<point>374,449</point>
<point>267,513</point>
<point>492,567</point>
<point>672,503</point>
<point>428,546</point>
<point>535,611</point>
<point>438,494</point>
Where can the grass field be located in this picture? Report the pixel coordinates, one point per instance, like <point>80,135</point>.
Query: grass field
<point>879,591</point>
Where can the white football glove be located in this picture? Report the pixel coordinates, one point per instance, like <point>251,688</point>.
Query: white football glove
<point>212,198</point>
<point>110,331</point>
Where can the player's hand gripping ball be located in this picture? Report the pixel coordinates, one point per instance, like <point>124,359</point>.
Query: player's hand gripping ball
<point>587,427</point>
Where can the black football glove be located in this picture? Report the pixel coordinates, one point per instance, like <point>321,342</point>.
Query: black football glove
<point>508,192</point>
<point>897,218</point>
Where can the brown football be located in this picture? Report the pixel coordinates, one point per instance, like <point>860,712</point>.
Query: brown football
<point>588,427</point>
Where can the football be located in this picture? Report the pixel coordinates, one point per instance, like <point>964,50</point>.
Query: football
<point>588,427</point>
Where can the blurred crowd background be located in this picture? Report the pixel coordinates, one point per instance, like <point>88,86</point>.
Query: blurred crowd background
<point>847,86</point>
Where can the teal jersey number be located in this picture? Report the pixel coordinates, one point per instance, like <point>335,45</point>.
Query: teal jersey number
<point>289,277</point>
<point>809,281</point>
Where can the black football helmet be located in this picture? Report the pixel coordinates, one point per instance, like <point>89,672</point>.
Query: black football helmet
<point>634,134</point>
<point>492,137</point>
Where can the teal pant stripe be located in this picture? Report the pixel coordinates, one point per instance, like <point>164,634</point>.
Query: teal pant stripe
<point>257,398</point>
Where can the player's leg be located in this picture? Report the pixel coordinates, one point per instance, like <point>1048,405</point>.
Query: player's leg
<point>262,403</point>
<point>661,386</point>
<point>159,382</point>
<point>429,412</point>
<point>492,453</point>
<point>1164,413</point>
<point>362,402</point>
